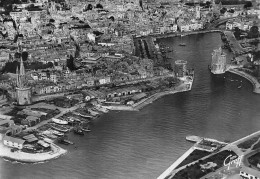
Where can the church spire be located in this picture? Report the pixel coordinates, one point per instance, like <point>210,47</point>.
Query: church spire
<point>17,77</point>
<point>21,74</point>
<point>22,70</point>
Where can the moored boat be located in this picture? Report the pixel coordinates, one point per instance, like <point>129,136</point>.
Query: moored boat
<point>59,128</point>
<point>93,112</point>
<point>78,130</point>
<point>59,121</point>
<point>56,132</point>
<point>101,109</point>
<point>64,141</point>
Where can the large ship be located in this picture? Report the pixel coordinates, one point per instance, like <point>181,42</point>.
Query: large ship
<point>218,62</point>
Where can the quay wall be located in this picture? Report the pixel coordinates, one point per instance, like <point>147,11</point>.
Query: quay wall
<point>176,34</point>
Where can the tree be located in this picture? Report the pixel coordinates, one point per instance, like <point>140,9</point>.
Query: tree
<point>248,4</point>
<point>208,3</point>
<point>231,11</point>
<point>254,32</point>
<point>90,7</point>
<point>223,10</point>
<point>24,56</point>
<point>237,32</point>
<point>99,6</point>
<point>112,18</point>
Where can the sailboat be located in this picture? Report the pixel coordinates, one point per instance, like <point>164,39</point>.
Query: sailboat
<point>182,43</point>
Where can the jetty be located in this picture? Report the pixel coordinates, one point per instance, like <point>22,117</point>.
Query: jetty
<point>200,144</point>
<point>169,170</point>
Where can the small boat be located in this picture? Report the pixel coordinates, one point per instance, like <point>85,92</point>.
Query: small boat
<point>239,87</point>
<point>86,130</point>
<point>56,132</point>
<point>93,112</point>
<point>65,141</point>
<point>47,140</point>
<point>59,121</point>
<point>83,115</point>
<point>78,130</point>
<point>49,135</point>
<point>59,128</point>
<point>100,109</point>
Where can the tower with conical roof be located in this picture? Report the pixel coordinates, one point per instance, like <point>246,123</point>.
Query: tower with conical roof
<point>24,94</point>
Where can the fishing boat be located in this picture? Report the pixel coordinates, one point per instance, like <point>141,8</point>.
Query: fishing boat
<point>56,132</point>
<point>83,115</point>
<point>49,135</point>
<point>64,141</point>
<point>59,121</point>
<point>48,140</point>
<point>59,128</point>
<point>93,112</point>
<point>99,108</point>
<point>78,131</point>
<point>86,128</point>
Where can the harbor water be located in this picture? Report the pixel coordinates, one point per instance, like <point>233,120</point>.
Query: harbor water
<point>142,144</point>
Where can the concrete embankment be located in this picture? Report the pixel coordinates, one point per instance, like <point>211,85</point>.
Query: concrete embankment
<point>139,105</point>
<point>253,80</point>
<point>120,108</point>
<point>169,170</point>
<point>152,98</point>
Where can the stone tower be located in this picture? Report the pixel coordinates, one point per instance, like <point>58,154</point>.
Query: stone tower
<point>24,94</point>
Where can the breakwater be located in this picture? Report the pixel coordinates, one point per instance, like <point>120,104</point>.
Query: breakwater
<point>252,79</point>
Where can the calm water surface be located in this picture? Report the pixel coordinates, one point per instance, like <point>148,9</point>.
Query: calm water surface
<point>141,145</point>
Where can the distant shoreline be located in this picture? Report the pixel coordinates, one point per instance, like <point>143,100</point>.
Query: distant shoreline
<point>176,34</point>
